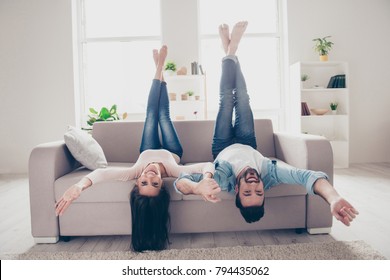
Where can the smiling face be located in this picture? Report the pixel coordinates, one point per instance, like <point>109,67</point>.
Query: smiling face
<point>250,188</point>
<point>150,182</point>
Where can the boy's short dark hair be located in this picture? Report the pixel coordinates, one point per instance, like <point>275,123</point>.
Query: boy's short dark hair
<point>252,213</point>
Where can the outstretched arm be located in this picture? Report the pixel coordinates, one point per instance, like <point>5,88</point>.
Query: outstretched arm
<point>71,194</point>
<point>98,175</point>
<point>316,183</point>
<point>340,208</point>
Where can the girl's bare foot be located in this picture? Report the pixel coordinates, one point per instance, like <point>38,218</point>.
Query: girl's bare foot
<point>224,34</point>
<point>155,56</point>
<point>235,38</point>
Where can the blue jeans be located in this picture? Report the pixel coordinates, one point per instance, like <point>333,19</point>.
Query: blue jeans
<point>157,113</point>
<point>234,98</point>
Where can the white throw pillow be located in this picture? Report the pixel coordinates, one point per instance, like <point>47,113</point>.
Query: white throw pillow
<point>84,148</point>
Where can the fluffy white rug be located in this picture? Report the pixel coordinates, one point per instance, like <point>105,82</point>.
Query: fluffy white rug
<point>338,250</point>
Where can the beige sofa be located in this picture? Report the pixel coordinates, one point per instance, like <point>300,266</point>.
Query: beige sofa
<point>104,208</point>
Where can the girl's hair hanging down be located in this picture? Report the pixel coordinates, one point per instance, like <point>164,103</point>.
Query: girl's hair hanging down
<point>150,220</point>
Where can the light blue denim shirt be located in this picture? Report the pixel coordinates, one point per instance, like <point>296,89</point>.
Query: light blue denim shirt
<point>271,174</point>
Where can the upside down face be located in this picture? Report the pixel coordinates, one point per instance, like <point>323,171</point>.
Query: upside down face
<point>250,188</point>
<point>150,181</point>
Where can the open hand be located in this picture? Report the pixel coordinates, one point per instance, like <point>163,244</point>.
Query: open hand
<point>343,211</point>
<point>67,198</point>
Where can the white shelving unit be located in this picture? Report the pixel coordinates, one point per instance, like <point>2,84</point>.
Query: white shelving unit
<point>185,109</point>
<point>315,93</point>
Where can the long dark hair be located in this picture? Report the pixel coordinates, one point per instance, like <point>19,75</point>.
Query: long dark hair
<point>150,220</point>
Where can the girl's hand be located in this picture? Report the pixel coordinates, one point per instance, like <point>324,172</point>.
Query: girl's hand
<point>67,198</point>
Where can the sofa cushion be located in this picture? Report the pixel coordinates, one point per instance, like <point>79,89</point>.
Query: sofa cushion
<point>121,140</point>
<point>84,148</point>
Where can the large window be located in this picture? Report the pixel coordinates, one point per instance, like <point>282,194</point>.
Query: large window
<point>116,39</point>
<point>259,52</point>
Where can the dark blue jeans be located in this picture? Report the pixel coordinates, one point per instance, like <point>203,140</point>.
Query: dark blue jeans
<point>157,114</point>
<point>234,98</point>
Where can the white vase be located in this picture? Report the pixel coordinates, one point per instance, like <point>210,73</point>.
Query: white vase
<point>169,72</point>
<point>334,112</point>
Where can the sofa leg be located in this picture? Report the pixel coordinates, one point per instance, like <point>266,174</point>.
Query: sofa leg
<point>40,240</point>
<point>65,238</point>
<point>319,230</point>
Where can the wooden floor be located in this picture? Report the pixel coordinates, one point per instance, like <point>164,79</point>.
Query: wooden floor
<point>366,186</point>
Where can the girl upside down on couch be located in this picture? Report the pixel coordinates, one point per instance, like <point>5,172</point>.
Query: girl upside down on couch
<point>149,198</point>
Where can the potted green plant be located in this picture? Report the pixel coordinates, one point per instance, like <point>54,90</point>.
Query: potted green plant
<point>190,95</point>
<point>170,68</point>
<point>333,107</point>
<point>304,78</point>
<point>104,114</point>
<point>323,46</point>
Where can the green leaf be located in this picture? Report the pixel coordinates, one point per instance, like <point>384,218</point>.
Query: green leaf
<point>104,113</point>
<point>113,110</point>
<point>93,111</point>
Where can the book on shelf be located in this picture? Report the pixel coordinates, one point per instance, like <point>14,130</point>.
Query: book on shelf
<point>337,81</point>
<point>305,109</point>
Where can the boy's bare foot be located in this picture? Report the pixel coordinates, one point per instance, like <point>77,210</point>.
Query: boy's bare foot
<point>224,34</point>
<point>235,38</point>
<point>159,59</point>
<point>162,55</point>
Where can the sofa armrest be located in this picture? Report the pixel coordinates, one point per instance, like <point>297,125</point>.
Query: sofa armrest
<point>305,151</point>
<point>314,153</point>
<point>47,163</point>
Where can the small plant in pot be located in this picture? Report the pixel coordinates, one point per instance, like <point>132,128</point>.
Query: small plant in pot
<point>304,78</point>
<point>323,46</point>
<point>190,95</point>
<point>333,107</point>
<point>170,68</point>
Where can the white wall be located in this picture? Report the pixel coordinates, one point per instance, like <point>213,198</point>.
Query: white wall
<point>360,32</point>
<point>178,20</point>
<point>36,75</point>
